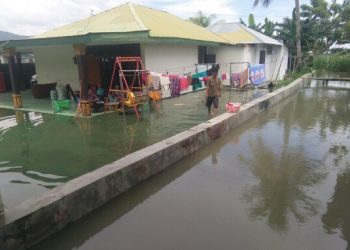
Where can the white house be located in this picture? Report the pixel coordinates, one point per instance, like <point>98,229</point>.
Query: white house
<point>251,46</point>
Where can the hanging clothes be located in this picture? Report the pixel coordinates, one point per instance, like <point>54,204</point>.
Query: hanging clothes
<point>224,76</point>
<point>183,83</point>
<point>239,79</point>
<point>196,83</point>
<point>165,84</point>
<point>155,82</point>
<point>174,85</point>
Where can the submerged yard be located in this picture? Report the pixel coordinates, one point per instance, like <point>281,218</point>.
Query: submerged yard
<point>281,181</point>
<point>39,151</point>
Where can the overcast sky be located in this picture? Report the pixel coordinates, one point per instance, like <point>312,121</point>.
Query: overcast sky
<point>32,17</point>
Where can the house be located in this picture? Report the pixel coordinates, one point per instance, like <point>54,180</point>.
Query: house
<point>251,46</point>
<point>162,40</point>
<point>83,53</point>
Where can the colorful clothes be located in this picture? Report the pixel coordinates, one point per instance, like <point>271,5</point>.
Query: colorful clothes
<point>174,85</point>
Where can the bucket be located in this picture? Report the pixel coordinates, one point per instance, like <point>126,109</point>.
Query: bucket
<point>61,93</point>
<point>60,105</point>
<point>233,107</point>
<point>53,95</point>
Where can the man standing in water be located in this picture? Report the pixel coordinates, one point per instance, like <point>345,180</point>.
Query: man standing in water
<point>213,92</point>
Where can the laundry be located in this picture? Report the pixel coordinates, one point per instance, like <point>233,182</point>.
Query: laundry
<point>224,76</point>
<point>196,83</point>
<point>174,85</point>
<point>183,83</point>
<point>239,79</point>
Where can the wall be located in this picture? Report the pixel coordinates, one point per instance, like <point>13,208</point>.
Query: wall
<point>170,58</point>
<point>272,61</point>
<point>55,64</point>
<point>35,219</point>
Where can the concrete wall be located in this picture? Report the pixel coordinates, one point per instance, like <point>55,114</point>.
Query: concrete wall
<point>170,58</point>
<point>272,61</point>
<point>36,219</point>
<point>227,53</point>
<point>55,64</point>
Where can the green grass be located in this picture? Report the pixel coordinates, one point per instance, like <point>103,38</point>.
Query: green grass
<point>293,76</point>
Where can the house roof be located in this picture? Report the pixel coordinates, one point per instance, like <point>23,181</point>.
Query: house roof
<point>237,33</point>
<point>127,23</point>
<point>343,46</point>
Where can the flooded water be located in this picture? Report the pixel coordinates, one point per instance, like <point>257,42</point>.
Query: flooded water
<point>40,151</point>
<point>281,181</point>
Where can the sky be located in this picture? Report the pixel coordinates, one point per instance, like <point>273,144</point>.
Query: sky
<point>32,17</point>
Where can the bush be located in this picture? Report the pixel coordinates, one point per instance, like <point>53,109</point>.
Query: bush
<point>338,62</point>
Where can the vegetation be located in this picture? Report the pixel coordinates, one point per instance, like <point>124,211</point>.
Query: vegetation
<point>338,62</point>
<point>201,19</point>
<point>320,24</point>
<point>268,28</point>
<point>266,3</point>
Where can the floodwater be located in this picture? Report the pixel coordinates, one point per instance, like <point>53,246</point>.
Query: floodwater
<point>281,181</point>
<point>40,151</point>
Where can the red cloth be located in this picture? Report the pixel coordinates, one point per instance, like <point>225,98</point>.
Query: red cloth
<point>183,83</point>
<point>224,77</point>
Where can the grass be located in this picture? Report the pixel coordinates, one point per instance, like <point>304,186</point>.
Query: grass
<point>293,76</point>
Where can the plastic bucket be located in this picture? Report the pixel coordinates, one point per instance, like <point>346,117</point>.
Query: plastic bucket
<point>233,107</point>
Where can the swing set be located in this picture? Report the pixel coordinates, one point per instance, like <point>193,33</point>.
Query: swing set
<point>131,91</point>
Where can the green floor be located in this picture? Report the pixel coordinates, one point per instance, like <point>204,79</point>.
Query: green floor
<point>35,105</point>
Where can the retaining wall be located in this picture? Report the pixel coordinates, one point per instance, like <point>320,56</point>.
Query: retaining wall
<point>36,219</point>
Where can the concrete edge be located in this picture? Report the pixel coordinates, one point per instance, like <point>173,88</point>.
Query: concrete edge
<point>35,219</point>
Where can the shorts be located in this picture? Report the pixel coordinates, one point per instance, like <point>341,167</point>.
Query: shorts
<point>212,100</point>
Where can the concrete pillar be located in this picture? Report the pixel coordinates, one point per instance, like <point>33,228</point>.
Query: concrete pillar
<point>16,95</point>
<point>79,53</point>
<point>19,69</point>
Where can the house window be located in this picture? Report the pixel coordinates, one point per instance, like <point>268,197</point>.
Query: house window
<point>262,57</point>
<point>202,52</point>
<point>269,49</point>
<point>210,58</point>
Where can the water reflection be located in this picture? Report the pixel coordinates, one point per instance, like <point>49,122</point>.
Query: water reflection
<point>329,109</point>
<point>282,183</point>
<point>337,216</point>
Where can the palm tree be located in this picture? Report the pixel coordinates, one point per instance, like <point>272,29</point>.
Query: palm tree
<point>266,3</point>
<point>201,19</point>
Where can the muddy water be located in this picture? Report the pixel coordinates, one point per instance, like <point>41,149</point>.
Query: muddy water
<point>281,181</point>
<point>41,151</point>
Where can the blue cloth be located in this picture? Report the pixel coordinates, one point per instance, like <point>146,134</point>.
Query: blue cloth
<point>257,74</point>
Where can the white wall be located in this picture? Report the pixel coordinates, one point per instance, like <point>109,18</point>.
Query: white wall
<point>55,64</point>
<point>3,59</point>
<point>171,58</point>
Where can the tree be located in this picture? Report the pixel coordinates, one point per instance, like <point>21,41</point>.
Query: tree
<point>201,19</point>
<point>268,27</point>
<point>251,23</point>
<point>266,3</point>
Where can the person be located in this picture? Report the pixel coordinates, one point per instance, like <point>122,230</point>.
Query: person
<point>213,93</point>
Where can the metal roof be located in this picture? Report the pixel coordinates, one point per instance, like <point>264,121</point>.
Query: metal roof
<point>237,33</point>
<point>123,24</point>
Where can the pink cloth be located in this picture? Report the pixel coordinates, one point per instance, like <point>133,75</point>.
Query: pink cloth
<point>183,83</point>
<point>224,77</point>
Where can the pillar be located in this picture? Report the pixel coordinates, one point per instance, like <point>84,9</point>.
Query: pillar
<point>80,56</point>
<point>19,70</point>
<point>16,95</point>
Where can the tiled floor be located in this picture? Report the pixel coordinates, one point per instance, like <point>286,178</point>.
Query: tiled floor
<point>35,105</point>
